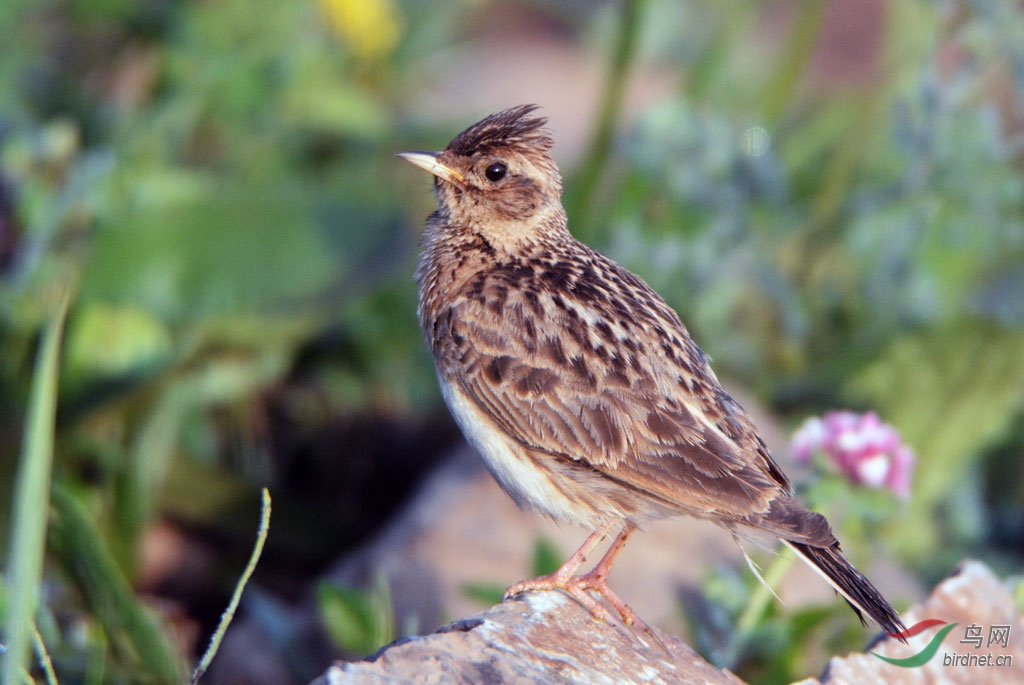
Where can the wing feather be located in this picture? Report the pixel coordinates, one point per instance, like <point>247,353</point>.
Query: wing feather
<point>630,397</point>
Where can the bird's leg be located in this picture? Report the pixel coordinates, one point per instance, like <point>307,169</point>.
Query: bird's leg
<point>578,586</point>
<point>597,579</point>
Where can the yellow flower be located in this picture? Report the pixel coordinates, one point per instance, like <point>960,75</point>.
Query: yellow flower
<point>370,27</point>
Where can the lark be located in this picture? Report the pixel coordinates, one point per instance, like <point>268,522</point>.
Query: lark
<point>578,385</point>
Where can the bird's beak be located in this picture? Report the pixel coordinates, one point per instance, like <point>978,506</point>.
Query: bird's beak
<point>428,161</point>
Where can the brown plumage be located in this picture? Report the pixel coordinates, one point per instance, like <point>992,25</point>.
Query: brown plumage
<point>576,382</point>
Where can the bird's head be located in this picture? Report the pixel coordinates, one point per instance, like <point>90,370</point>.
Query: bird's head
<point>497,178</point>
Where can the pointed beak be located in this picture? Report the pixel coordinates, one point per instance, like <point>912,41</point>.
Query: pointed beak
<point>428,162</point>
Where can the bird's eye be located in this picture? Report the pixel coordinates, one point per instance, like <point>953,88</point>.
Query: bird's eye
<point>496,171</point>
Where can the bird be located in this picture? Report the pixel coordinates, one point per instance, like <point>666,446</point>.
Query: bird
<point>578,384</point>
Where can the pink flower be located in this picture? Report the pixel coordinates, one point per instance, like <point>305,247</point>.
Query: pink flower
<point>864,449</point>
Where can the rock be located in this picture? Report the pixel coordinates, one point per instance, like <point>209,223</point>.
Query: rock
<point>972,595</point>
<point>544,637</point>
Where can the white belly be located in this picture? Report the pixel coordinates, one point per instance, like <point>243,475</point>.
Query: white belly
<point>529,485</point>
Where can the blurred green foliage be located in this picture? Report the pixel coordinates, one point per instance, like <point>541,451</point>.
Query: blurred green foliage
<point>359,621</point>
<point>783,645</point>
<point>215,179</point>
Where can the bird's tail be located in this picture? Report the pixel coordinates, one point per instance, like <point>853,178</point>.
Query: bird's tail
<point>856,589</point>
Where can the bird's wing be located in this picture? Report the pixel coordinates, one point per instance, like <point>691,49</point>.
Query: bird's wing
<point>614,384</point>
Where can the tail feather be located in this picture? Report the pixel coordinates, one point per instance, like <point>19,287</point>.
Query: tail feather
<point>855,588</point>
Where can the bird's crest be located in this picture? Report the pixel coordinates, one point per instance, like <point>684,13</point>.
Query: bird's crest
<point>512,127</point>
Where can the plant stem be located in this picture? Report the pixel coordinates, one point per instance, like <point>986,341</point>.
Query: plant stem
<point>803,38</point>
<point>585,204</point>
<point>229,613</point>
<point>755,609</point>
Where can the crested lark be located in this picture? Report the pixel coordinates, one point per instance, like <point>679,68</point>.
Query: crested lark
<point>577,383</point>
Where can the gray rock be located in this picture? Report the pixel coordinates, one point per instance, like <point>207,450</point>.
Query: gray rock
<point>545,637</point>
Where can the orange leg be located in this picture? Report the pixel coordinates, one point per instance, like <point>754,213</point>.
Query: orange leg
<point>578,587</point>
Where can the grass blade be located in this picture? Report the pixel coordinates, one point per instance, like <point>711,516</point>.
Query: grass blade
<point>130,625</point>
<point>31,498</point>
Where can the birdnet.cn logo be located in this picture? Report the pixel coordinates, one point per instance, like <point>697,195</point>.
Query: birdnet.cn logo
<point>975,637</point>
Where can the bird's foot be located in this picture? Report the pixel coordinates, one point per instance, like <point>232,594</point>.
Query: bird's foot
<point>579,588</point>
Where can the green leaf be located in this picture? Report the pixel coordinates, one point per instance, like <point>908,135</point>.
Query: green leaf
<point>359,621</point>
<point>487,594</point>
<point>111,340</point>
<point>546,557</point>
<point>213,247</point>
